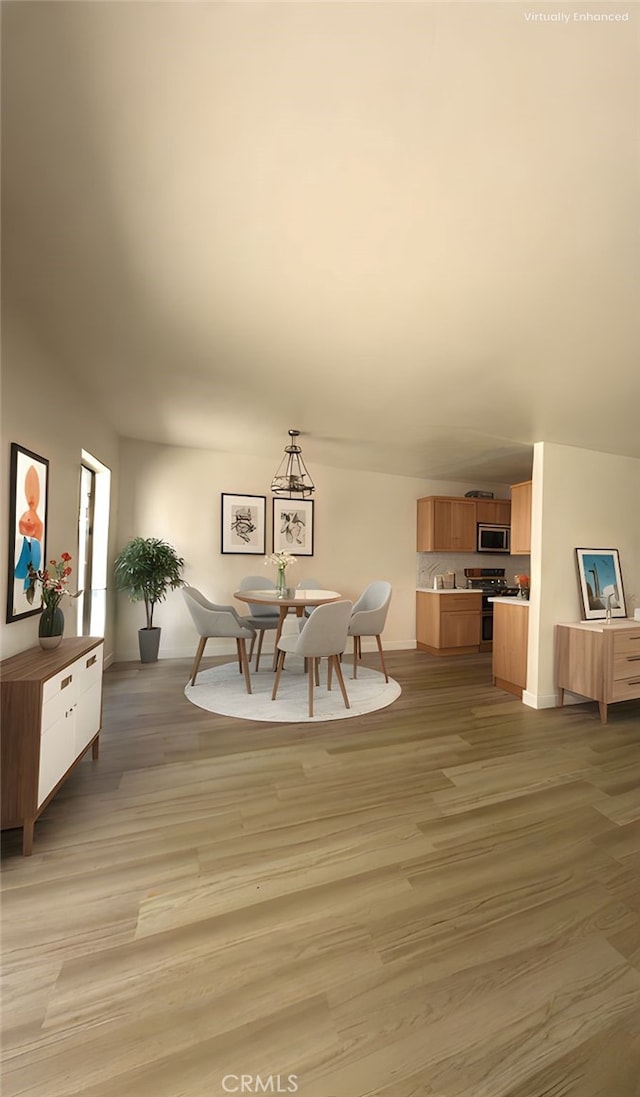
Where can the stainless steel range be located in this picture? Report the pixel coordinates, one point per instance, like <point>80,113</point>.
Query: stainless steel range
<point>492,583</point>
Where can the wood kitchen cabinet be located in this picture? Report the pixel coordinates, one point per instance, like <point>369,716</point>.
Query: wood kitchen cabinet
<point>521,518</point>
<point>446,524</point>
<point>510,645</point>
<point>599,661</point>
<point>496,512</point>
<point>448,622</point>
<point>51,704</point>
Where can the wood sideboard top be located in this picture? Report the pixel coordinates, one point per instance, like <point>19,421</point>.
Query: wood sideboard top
<point>617,624</point>
<point>35,664</point>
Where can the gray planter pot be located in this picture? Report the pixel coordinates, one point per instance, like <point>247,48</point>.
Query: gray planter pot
<point>149,641</point>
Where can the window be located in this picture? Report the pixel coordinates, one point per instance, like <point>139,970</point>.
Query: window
<point>93,540</point>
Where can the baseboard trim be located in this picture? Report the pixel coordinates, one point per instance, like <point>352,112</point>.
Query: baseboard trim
<point>228,647</point>
<point>539,700</point>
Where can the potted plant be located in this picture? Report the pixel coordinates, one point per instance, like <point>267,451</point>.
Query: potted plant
<point>146,569</point>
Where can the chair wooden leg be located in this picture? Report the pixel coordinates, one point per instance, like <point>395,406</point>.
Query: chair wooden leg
<point>253,640</point>
<point>242,646</point>
<point>313,670</point>
<point>341,681</point>
<point>259,649</point>
<point>355,656</point>
<point>330,670</point>
<point>384,669</point>
<point>196,662</point>
<point>279,665</point>
<point>283,613</point>
<point>239,655</point>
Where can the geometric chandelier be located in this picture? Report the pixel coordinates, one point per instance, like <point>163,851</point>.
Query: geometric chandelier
<point>292,477</point>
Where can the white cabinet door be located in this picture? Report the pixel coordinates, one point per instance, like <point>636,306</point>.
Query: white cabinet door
<point>87,721</point>
<point>71,711</point>
<point>57,752</point>
<point>89,670</point>
<point>88,707</point>
<point>59,696</point>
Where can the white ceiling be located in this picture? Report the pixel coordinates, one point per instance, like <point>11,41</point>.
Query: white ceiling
<point>408,230</point>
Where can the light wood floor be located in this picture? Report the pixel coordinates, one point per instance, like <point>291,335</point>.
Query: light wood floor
<point>441,899</point>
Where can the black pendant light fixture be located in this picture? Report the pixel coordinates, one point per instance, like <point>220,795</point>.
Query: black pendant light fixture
<point>292,477</point>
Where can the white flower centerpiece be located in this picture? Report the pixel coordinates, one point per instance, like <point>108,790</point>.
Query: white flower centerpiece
<point>281,561</point>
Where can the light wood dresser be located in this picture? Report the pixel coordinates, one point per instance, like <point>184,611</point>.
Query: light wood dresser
<point>51,706</point>
<point>600,661</point>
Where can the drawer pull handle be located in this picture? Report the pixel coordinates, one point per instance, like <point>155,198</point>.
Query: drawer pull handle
<point>633,681</point>
<point>633,658</point>
<point>66,681</point>
<point>92,660</point>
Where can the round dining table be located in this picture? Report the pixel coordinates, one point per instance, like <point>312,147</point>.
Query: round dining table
<point>292,598</point>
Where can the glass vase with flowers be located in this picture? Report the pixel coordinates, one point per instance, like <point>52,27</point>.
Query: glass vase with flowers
<point>281,561</point>
<point>53,582</point>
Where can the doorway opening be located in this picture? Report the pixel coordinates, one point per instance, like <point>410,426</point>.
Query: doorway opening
<point>93,540</point>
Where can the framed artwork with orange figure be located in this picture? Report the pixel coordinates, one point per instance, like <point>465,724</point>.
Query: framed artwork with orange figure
<point>28,499</point>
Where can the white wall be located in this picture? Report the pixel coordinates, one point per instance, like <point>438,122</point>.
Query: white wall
<point>581,499</point>
<point>46,414</point>
<point>364,524</point>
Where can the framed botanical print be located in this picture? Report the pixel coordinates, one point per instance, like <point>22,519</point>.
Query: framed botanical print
<point>293,526</point>
<point>28,505</point>
<point>243,524</point>
<point>600,581</point>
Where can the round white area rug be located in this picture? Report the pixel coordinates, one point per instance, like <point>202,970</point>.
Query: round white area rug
<point>222,690</point>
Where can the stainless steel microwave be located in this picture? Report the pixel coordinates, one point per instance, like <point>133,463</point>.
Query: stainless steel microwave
<point>493,538</point>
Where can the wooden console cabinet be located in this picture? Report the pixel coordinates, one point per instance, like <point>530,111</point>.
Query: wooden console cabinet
<point>448,622</point>
<point>599,661</point>
<point>51,705</point>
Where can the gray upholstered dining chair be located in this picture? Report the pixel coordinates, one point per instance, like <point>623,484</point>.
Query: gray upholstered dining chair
<point>309,584</point>
<point>262,617</point>
<point>219,621</point>
<point>368,618</point>
<point>324,636</point>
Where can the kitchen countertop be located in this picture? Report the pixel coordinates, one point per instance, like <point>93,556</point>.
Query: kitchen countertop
<point>514,600</point>
<point>454,590</point>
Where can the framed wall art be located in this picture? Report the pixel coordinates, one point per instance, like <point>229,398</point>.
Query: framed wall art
<point>600,581</point>
<point>243,524</point>
<point>293,526</point>
<point>28,505</point>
